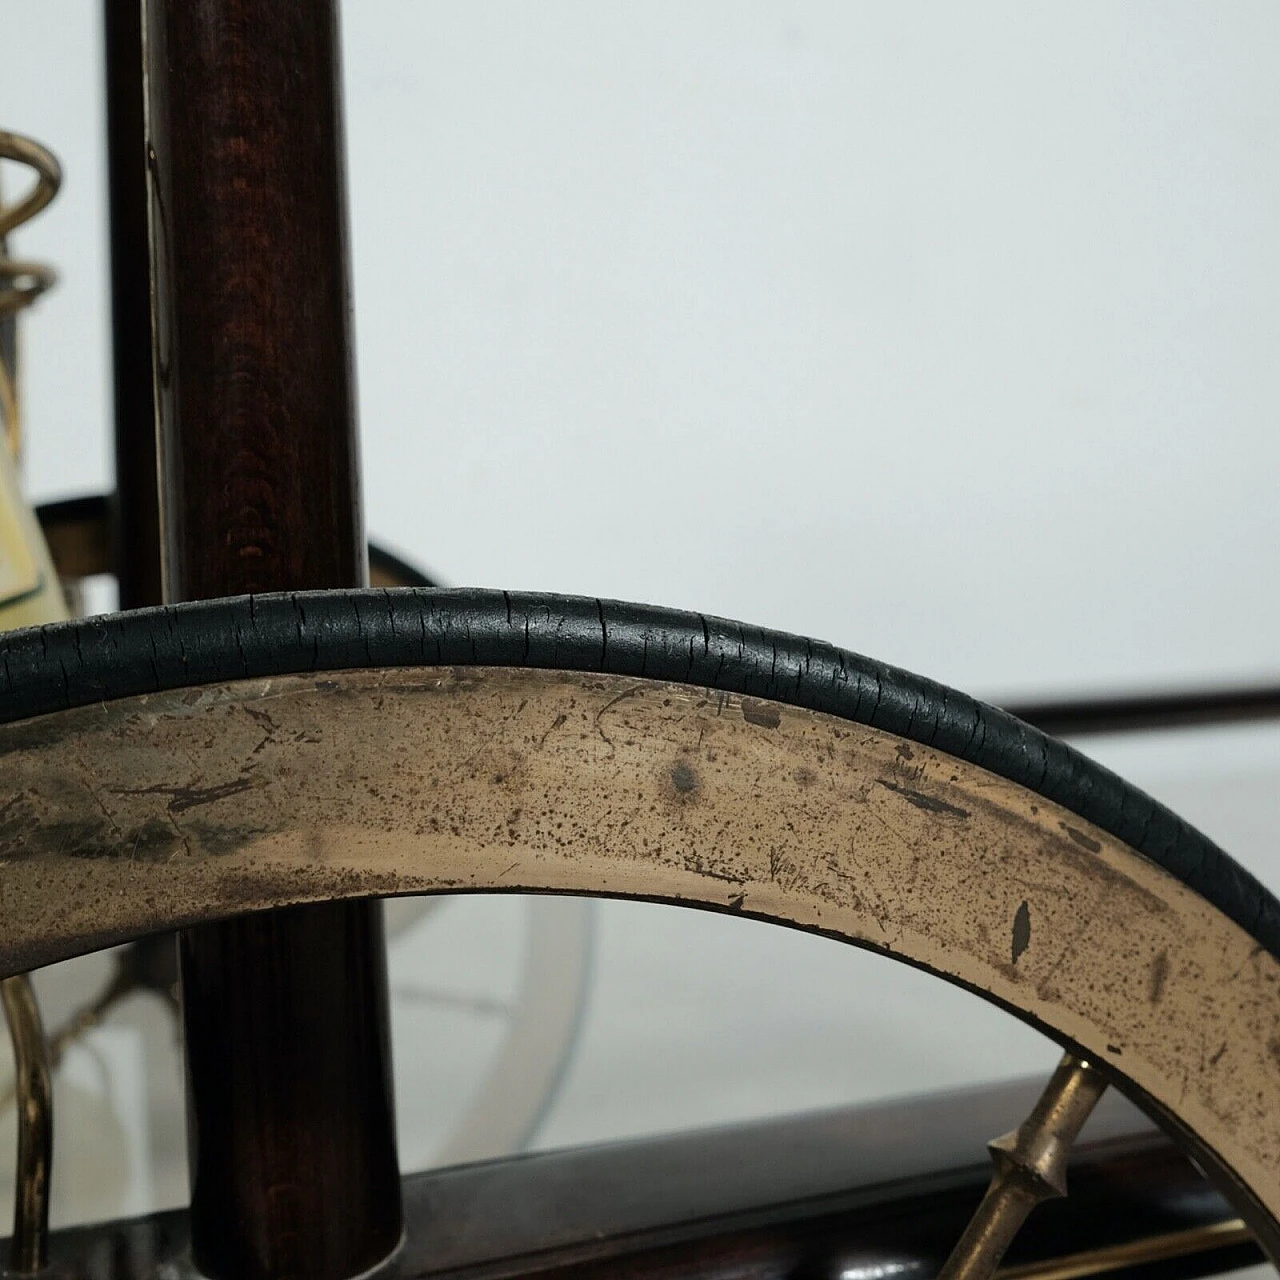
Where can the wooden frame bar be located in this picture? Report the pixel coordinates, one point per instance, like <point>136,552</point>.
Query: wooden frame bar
<point>290,1108</point>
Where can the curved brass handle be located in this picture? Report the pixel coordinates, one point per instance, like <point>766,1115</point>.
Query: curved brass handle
<point>21,283</point>
<point>48,179</point>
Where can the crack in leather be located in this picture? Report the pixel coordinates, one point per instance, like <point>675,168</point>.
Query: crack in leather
<point>99,659</point>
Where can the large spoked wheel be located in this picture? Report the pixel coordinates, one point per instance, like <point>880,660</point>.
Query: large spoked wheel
<point>167,767</point>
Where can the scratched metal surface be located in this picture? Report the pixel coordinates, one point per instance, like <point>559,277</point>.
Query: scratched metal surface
<point>156,811</point>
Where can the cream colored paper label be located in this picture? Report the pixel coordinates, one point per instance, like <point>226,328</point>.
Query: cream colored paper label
<point>29,589</point>
<point>19,571</point>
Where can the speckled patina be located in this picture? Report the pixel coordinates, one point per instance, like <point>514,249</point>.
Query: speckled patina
<point>157,811</point>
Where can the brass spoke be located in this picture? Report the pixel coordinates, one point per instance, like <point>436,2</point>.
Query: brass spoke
<point>1030,1166</point>
<point>35,1125</point>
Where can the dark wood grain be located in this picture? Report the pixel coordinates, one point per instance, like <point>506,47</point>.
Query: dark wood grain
<point>290,1110</point>
<point>136,506</point>
<point>256,387</point>
<point>877,1192</point>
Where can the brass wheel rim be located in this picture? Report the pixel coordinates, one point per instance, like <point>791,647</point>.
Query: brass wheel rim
<point>158,811</point>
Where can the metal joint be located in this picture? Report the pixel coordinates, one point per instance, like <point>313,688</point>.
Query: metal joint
<point>1030,1167</point>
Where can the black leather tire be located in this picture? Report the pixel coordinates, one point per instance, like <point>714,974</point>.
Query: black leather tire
<point>116,656</point>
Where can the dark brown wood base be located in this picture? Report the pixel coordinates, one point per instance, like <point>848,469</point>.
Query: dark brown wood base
<point>877,1193</point>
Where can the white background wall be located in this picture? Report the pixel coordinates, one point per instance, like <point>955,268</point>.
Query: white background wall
<point>944,332</point>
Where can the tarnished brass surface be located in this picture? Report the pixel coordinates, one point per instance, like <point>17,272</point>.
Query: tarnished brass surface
<point>155,812</point>
<point>1030,1166</point>
<point>30,1242</point>
<point>1038,1149</point>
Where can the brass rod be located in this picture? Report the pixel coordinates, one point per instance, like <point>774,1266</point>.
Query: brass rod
<point>84,1020</point>
<point>29,1247</point>
<point>1133,1253</point>
<point>1030,1166</point>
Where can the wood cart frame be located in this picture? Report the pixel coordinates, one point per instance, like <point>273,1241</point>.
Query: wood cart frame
<point>256,771</point>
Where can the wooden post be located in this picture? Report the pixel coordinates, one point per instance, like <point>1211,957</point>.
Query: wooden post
<point>289,1085</point>
<point>136,508</point>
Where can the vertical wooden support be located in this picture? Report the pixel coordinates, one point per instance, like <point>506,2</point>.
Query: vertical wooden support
<point>290,1109</point>
<point>136,508</point>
